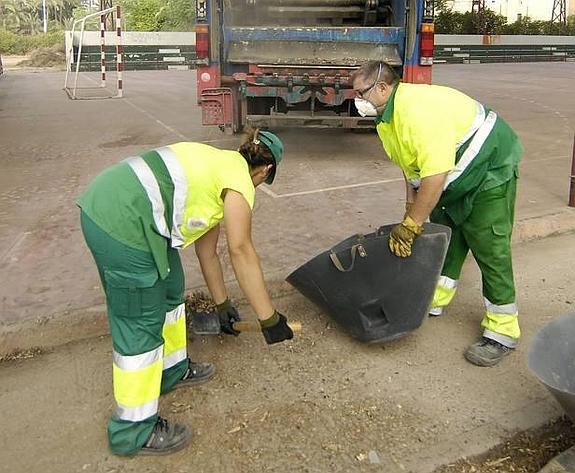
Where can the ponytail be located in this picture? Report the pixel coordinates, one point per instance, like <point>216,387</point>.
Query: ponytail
<point>254,151</point>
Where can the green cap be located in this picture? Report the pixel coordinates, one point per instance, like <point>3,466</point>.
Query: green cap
<point>276,147</point>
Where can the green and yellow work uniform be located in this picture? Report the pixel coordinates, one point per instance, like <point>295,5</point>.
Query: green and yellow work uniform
<point>428,130</point>
<point>135,216</point>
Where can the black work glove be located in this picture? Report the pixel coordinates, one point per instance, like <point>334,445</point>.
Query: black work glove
<point>276,329</point>
<point>228,314</point>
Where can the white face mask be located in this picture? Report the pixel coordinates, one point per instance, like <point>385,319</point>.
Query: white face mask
<point>365,108</point>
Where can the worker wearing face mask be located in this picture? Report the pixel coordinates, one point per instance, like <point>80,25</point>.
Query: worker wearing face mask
<point>460,163</point>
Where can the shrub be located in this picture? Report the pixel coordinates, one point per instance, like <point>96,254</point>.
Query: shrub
<point>18,44</point>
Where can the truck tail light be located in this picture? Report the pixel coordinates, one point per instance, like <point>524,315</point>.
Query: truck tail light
<point>426,44</point>
<point>202,42</point>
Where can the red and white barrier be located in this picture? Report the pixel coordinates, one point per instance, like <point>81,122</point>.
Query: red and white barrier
<point>119,51</point>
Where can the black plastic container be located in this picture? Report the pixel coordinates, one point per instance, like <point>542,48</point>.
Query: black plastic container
<point>371,293</point>
<point>552,359</point>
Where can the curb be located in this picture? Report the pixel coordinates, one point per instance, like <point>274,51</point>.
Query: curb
<point>536,228</point>
<point>89,322</point>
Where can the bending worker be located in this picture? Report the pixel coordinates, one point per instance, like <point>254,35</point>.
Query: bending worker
<point>135,215</point>
<point>460,164</point>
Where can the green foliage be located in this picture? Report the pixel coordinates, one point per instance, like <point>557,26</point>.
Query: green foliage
<point>143,15</point>
<point>159,15</point>
<point>17,44</point>
<point>530,27</point>
<point>25,16</point>
<point>180,15</point>
<point>448,21</point>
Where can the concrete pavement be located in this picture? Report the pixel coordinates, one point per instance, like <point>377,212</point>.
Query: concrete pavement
<point>332,184</point>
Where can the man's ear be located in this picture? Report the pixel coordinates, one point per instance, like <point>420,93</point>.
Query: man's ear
<point>383,87</point>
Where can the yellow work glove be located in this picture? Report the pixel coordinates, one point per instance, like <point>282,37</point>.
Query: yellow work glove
<point>402,237</point>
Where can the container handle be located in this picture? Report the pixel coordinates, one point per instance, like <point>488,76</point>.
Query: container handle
<point>356,249</point>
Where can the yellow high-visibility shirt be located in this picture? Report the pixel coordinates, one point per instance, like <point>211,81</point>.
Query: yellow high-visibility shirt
<point>209,171</point>
<point>423,125</point>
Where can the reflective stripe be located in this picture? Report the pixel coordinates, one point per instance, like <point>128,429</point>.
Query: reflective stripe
<point>507,309</point>
<point>176,357</point>
<point>501,323</point>
<point>447,282</point>
<point>509,342</point>
<point>473,149</point>
<point>139,413</point>
<point>444,294</point>
<point>174,315</point>
<point>175,340</point>
<point>150,185</point>
<point>180,193</point>
<point>479,120</point>
<point>138,387</point>
<point>436,311</point>
<point>138,362</point>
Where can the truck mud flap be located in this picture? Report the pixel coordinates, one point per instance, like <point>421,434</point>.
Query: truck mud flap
<point>371,293</point>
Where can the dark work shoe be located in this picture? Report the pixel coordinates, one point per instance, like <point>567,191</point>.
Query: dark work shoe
<point>166,438</point>
<point>196,373</point>
<point>486,352</point>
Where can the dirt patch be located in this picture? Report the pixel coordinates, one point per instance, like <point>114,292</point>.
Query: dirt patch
<point>52,56</point>
<point>21,354</point>
<point>526,452</point>
<point>199,301</point>
<point>130,139</point>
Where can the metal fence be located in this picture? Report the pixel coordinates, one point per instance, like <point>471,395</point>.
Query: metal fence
<point>458,49</point>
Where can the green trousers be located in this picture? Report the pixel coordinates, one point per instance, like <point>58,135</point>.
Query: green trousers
<point>487,233</point>
<point>148,327</point>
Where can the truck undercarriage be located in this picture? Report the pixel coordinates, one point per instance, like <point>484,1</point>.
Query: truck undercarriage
<point>274,62</point>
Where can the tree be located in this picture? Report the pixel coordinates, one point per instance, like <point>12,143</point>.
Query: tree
<point>159,15</point>
<point>180,15</point>
<point>25,16</point>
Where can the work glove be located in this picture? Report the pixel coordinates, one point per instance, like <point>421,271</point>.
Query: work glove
<point>228,314</point>
<point>402,237</point>
<point>276,329</point>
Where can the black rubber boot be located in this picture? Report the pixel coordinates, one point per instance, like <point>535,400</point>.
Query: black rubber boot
<point>166,438</point>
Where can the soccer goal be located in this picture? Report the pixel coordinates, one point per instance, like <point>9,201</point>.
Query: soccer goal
<point>94,90</point>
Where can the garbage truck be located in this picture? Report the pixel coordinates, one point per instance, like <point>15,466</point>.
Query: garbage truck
<point>288,62</point>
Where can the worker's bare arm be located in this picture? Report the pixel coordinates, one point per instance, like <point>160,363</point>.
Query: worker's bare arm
<point>427,197</point>
<point>207,252</point>
<point>245,261</point>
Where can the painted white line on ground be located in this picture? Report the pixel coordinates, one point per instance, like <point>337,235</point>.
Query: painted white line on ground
<point>373,183</point>
<point>14,247</point>
<point>166,126</point>
<point>329,189</point>
<point>266,190</point>
<point>157,120</point>
<point>173,130</point>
